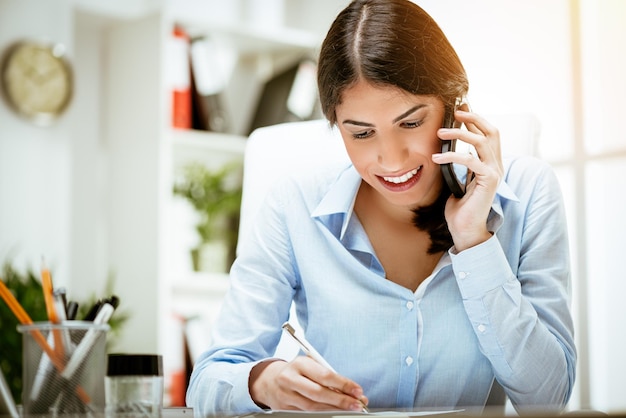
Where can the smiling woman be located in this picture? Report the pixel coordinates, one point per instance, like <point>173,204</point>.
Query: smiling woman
<point>447,295</point>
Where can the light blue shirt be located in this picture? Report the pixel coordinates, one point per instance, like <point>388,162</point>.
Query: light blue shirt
<point>497,310</point>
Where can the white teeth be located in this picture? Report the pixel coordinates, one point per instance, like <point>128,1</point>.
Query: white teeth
<point>402,178</point>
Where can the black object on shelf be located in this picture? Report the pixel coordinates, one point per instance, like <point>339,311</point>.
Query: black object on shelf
<point>272,107</point>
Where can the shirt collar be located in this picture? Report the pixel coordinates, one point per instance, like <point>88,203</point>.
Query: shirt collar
<point>340,198</point>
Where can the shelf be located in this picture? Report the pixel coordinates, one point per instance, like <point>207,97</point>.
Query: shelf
<point>252,38</point>
<point>196,139</point>
<point>198,283</point>
<point>143,45</point>
<point>211,148</point>
<point>199,295</point>
<point>118,9</point>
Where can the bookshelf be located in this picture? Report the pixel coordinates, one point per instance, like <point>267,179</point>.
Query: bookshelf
<point>150,231</point>
<point>259,53</point>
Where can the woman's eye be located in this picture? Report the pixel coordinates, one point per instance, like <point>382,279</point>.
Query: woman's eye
<point>412,124</point>
<point>362,135</point>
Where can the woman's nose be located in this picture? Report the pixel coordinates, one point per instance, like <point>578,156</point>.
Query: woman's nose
<point>392,154</point>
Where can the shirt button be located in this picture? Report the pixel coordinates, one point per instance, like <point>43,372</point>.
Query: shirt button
<point>482,328</point>
<point>408,360</point>
<point>409,305</point>
<point>463,275</point>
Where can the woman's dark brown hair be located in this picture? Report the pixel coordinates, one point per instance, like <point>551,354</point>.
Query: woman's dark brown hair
<point>388,42</point>
<point>393,43</point>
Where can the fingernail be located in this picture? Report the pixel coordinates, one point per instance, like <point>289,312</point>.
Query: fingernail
<point>356,407</point>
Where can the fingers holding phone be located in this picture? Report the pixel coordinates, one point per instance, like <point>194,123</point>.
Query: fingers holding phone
<point>485,139</point>
<point>468,152</point>
<point>477,174</point>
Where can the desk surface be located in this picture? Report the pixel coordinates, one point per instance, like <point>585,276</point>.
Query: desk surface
<point>177,412</point>
<point>184,412</point>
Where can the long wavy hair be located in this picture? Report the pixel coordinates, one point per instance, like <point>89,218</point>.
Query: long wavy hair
<point>393,43</point>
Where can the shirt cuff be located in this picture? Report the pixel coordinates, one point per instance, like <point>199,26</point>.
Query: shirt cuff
<point>241,391</point>
<point>481,268</point>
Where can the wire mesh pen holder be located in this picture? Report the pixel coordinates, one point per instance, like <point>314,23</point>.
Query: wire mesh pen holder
<point>63,368</point>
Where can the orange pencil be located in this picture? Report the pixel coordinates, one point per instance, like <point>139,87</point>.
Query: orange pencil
<point>48,294</point>
<point>24,319</point>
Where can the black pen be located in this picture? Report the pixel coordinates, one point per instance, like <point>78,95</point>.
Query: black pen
<point>72,310</point>
<point>93,311</point>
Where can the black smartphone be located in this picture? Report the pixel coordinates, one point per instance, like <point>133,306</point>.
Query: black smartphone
<point>450,171</point>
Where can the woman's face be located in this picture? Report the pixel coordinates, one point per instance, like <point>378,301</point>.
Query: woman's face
<point>390,136</point>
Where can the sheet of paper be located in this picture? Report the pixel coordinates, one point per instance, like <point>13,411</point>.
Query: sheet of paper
<point>349,414</point>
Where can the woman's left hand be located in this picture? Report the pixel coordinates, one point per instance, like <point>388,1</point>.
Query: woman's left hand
<point>467,216</point>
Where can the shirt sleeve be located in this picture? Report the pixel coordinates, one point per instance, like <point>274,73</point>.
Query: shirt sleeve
<point>246,332</point>
<point>517,296</point>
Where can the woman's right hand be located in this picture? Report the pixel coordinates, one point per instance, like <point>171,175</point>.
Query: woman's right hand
<point>303,384</point>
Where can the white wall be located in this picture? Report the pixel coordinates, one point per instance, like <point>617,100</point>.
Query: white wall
<point>603,146</point>
<point>52,179</point>
<point>55,197</point>
<point>35,163</point>
<point>89,263</point>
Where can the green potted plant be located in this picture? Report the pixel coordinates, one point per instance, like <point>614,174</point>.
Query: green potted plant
<point>216,196</point>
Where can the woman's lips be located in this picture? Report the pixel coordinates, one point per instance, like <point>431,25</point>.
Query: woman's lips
<point>403,182</point>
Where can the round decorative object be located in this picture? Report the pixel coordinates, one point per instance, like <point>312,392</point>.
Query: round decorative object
<point>37,80</point>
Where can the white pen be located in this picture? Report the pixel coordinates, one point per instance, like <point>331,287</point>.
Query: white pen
<point>45,365</point>
<point>310,351</point>
<point>59,305</point>
<point>82,350</point>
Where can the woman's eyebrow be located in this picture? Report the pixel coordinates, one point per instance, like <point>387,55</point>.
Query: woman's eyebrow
<point>357,123</point>
<point>408,112</point>
<point>369,125</point>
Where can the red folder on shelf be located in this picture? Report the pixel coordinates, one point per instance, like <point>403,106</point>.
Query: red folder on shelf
<point>180,79</point>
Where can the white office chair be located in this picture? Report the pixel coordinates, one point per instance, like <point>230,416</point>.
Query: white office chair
<point>275,150</point>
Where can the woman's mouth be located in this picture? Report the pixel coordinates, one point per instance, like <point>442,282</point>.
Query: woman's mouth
<point>403,182</point>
